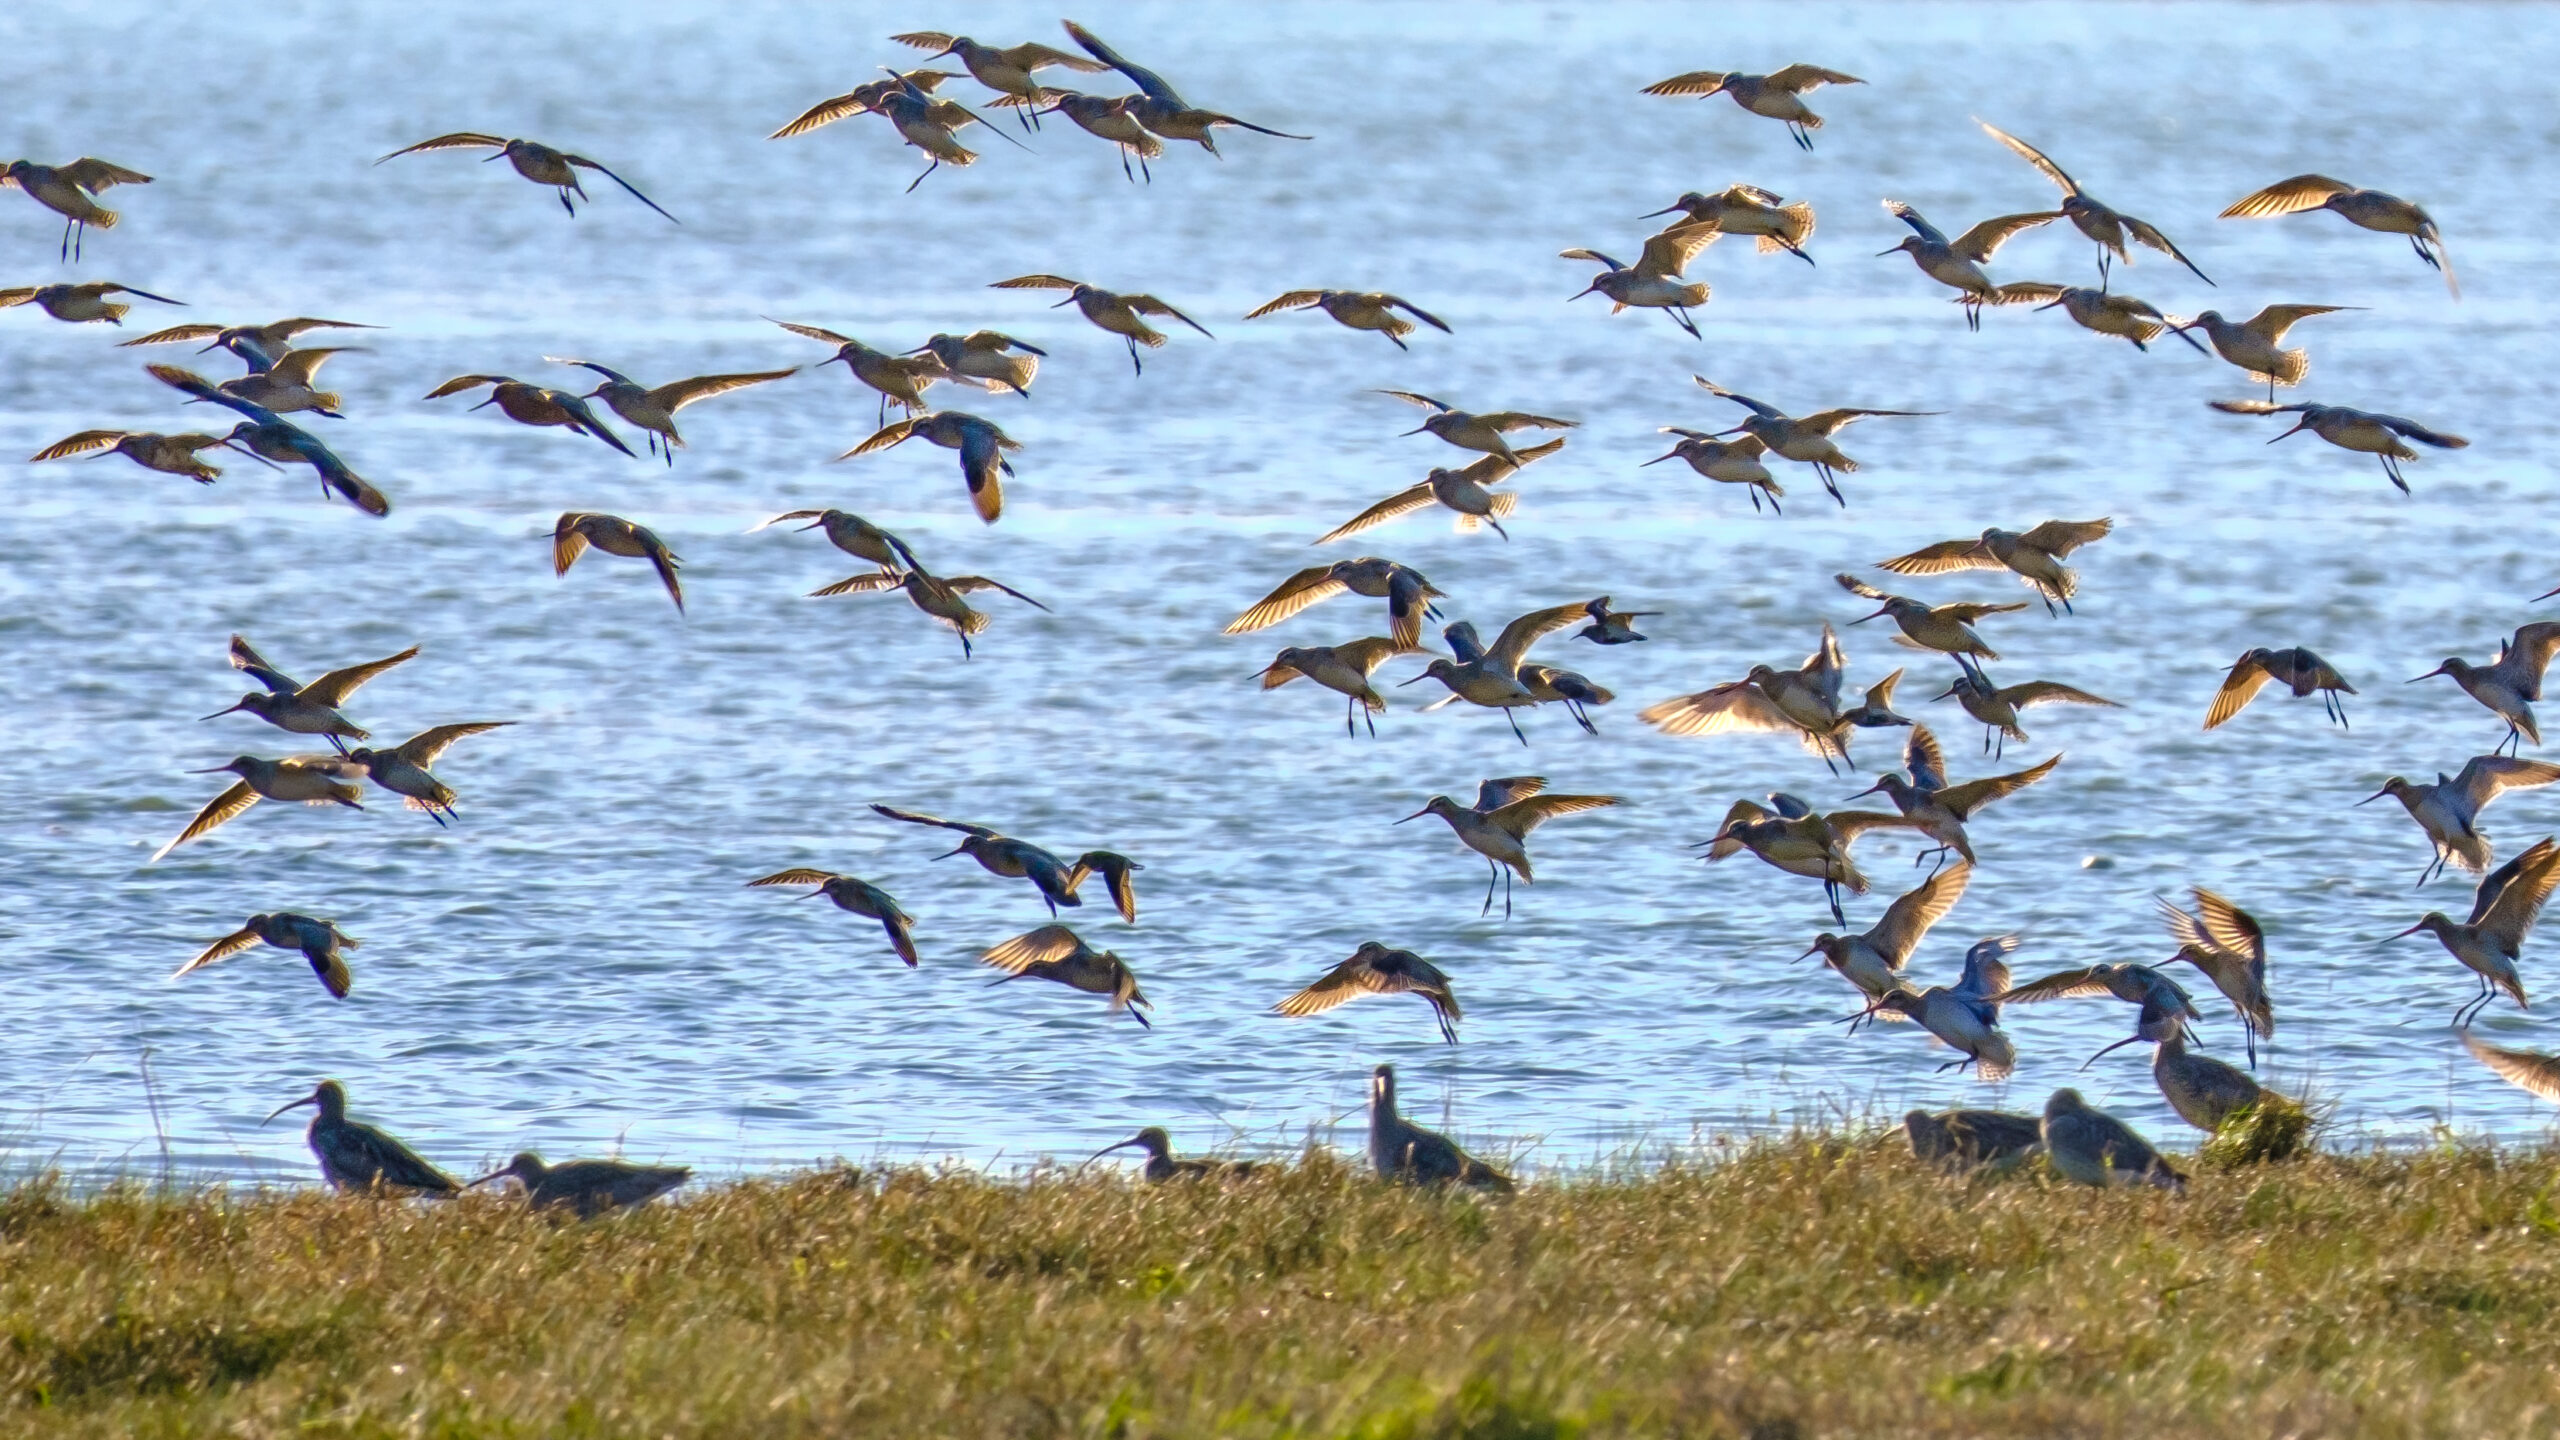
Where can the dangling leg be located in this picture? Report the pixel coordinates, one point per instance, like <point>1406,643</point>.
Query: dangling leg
<point>1506,892</point>
<point>1371,719</point>
<point>1134,362</point>
<point>565,205</point>
<point>912,184</point>
<point>1347,702</point>
<point>1515,723</point>
<point>1490,871</point>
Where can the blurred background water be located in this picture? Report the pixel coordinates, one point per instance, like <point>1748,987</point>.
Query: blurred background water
<point>576,965</point>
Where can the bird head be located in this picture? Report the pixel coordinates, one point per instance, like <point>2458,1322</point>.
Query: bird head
<point>2454,665</point>
<point>1153,1140</point>
<point>527,1167</point>
<point>2395,786</point>
<point>1439,805</point>
<point>329,1097</point>
<point>240,765</point>
<point>1910,245</point>
<point>2435,922</point>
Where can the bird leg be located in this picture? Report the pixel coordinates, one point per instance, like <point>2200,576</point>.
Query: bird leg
<point>67,223</point>
<point>929,169</point>
<point>1824,471</point>
<point>1680,313</point>
<point>1134,362</point>
<point>1515,724</point>
<point>565,205</point>
<point>2391,468</point>
<point>1804,139</point>
<point>1490,870</point>
<point>1973,312</point>
<point>1506,891</point>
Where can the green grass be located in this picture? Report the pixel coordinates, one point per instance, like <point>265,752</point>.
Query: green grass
<point>1820,1286</point>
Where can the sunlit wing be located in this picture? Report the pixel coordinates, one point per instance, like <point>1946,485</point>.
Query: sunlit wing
<point>1974,794</point>
<point>1807,77</point>
<point>80,444</point>
<point>795,877</point>
<point>1396,506</point>
<point>1294,300</point>
<point>1512,646</point>
<point>1738,705</point>
<point>1983,240</point>
<point>422,748</point>
<point>1291,596</point>
<point>2526,1069</point>
<point>333,688</point>
<point>94,175</point>
<point>223,807</point>
<point>1911,914</point>
<point>1943,557</point>
<point>222,949</point>
<point>1047,944</point>
<point>2302,192</point>
<point>1528,814</point>
<point>459,140</point>
<point>676,395</point>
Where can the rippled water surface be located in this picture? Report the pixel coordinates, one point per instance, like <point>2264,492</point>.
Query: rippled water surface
<point>577,966</point>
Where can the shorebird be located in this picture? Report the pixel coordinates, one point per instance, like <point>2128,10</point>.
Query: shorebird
<point>1054,952</point>
<point>1965,1016</point>
<point>2449,810</point>
<point>1113,118</point>
<point>1804,702</point>
<point>2359,430</point>
<point>2509,684</point>
<point>935,595</point>
<point>1611,627</point>
<point>2034,555</point>
<point>2129,318</point>
<point>78,303</point>
<point>1357,309</point>
<point>1122,315</point>
<point>1374,969</point>
<point>1733,462</point>
<point>1655,281</point>
<point>1115,871</point>
<point>1158,107</point>
<point>2257,343</point>
<point>1343,669</point>
<point>2370,209</point>
<point>1402,1150</point>
<point>653,408</point>
<point>1805,843</point>
<point>529,404</point>
<point>929,125</point>
<point>2503,910</point>
<point>589,1187</point>
<point>1806,439</point>
<point>1749,210</point>
<point>575,530</point>
<point>900,379</point>
<point>1549,684</point>
<point>257,346</point>
<point>1873,961</point>
<point>869,98</point>
<point>1777,95</point>
<point>1004,856</point>
<point>70,191</point>
<point>1407,594</point>
<point>402,768</point>
<point>273,439</point>
<point>287,384</point>
<point>849,533</point>
<point>980,443</point>
<point>2092,1147</point>
<point>1966,1139</point>
<point>311,779</point>
<point>1997,706</point>
<point>1497,825</point>
<point>1007,70</point>
<point>2100,222</point>
<point>1938,809</point>
<point>1491,677</point>
<point>2297,668</point>
<point>858,897</point>
<point>2204,1091</point>
<point>988,359</point>
<point>1462,490</point>
<point>2226,943</point>
<point>538,163</point>
<point>1947,629</point>
<point>1161,1165</point>
<point>1470,431</point>
<point>168,454</point>
<point>359,1157</point>
<point>1957,264</point>
<point>318,940</point>
<point>301,709</point>
<point>2526,1069</point>
<point>2164,1006</point>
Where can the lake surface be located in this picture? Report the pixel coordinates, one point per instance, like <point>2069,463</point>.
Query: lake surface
<point>576,965</point>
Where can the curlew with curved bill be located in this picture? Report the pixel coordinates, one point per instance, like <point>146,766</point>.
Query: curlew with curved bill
<point>529,404</point>
<point>988,359</point>
<point>2091,1147</point>
<point>2503,909</point>
<point>981,445</point>
<point>402,768</point>
<point>1002,855</point>
<point>303,709</point>
<point>2295,668</point>
<point>257,346</point>
<point>71,192</point>
<point>309,779</point>
<point>1159,108</point>
<point>1778,95</point>
<point>1656,281</point>
<point>358,1157</point>
<point>2227,944</point>
<point>2449,810</point>
<point>588,1187</point>
<point>1874,959</point>
<point>2034,555</point>
<point>1343,669</point>
<point>2368,209</point>
<point>1375,969</point>
<point>79,303</point>
<point>1357,310</point>
<point>1054,952</point>
<point>1804,439</point>
<point>1121,315</point>
<point>1409,597</point>
<point>1800,842</point>
<point>1965,1016</point>
<point>278,441</point>
<point>320,942</point>
<point>2362,431</point>
<point>1402,1150</point>
<point>1957,264</point>
<point>1749,210</point>
<point>2508,685</point>
<point>575,530</point>
<point>2163,1008</point>
<point>2109,227</point>
<point>168,454</point>
<point>2256,344</point>
<point>855,897</point>
<point>1497,825</point>
<point>1730,462</point>
<point>1163,1166</point>
<point>1463,491</point>
<point>1947,629</point>
<point>536,162</point>
<point>1997,706</point>
<point>653,408</point>
<point>1491,677</point>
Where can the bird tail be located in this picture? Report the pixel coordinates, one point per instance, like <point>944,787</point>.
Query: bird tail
<point>99,217</point>
<point>1797,230</point>
<point>115,312</point>
<point>2291,366</point>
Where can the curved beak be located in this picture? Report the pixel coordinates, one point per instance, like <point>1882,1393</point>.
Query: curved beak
<point>1127,1144</point>
<point>225,710</point>
<point>311,1099</point>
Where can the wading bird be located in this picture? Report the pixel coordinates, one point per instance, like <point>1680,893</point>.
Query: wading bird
<point>1873,961</point>
<point>402,768</point>
<point>1491,677</point>
<point>2100,222</point>
<point>1966,1139</point>
<point>1965,1016</point>
<point>2204,1091</point>
<point>257,346</point>
<point>575,530</point>
<point>1749,210</point>
<point>900,379</point>
<point>1007,70</point>
<point>2226,943</point>
<point>849,533</point>
<point>1937,809</point>
<point>935,595</point>
<point>929,125</point>
<point>79,303</point>
<point>1655,281</point>
<point>1470,431</point>
<point>1054,952</point>
<point>2508,685</point>
<point>1997,706</point>
<point>359,1157</point>
<point>988,359</point>
<point>2359,430</point>
<point>1158,107</point>
<point>1778,95</point>
<point>1957,264</point>
<point>980,443</point>
<point>868,99</point>
<point>1122,315</point>
<point>1800,842</point>
<point>1343,669</point>
<point>2092,1147</point>
<point>272,438</point>
<point>2034,556</point>
<point>529,404</point>
<point>1409,597</point>
<point>318,940</point>
<point>2370,209</point>
<point>653,408</point>
<point>2127,317</point>
<point>2257,343</point>
<point>305,709</point>
<point>310,779</point>
<point>168,454</point>
<point>1162,1166</point>
<point>2163,1006</point>
<point>2503,910</point>
<point>2449,810</point>
<point>1402,1150</point>
<point>857,897</point>
<point>1947,629</point>
<point>1804,702</point>
<point>538,163</point>
<point>2296,668</point>
<point>1358,310</point>
<point>1732,462</point>
<point>1497,826</point>
<point>1116,872</point>
<point>1806,440</point>
<point>1113,118</point>
<point>70,191</point>
<point>588,1187</point>
<point>1463,491</point>
<point>287,384</point>
<point>1004,856</point>
<point>1374,969</point>
<point>1611,627</point>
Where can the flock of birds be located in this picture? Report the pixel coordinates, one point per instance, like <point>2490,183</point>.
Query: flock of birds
<point>1809,702</point>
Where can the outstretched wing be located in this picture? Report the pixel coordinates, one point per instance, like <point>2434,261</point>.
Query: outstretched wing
<point>1928,233</point>
<point>2051,692</point>
<point>970,584</point>
<point>460,383</point>
<point>1316,582</point>
<point>2062,985</point>
<point>1418,313</point>
<point>2485,777</point>
<point>2229,928</point>
<point>222,949</point>
<point>675,395</point>
<point>1982,240</point>
<point>1148,82</point>
<point>916,818</point>
<point>458,140</point>
<point>1150,305</point>
<point>2061,537</point>
<point>568,542</point>
<point>1047,944</point>
<point>1036,282</point>
<point>1943,557</point>
<point>1412,398</point>
<point>172,335</point>
<point>1695,82</point>
<point>2302,192</point>
<point>2032,156</point>
<point>1911,914</point>
<point>1512,646</point>
<point>795,877</point>
<point>1800,78</point>
<point>1492,795</point>
<point>1396,506</point>
<point>1737,705</point>
<point>80,444</point>
<point>1926,762</point>
<point>2270,323</point>
<point>2412,430</point>
<point>1972,795</point>
<point>422,748</point>
<point>1524,815</point>
<point>1860,588</point>
<point>94,175</point>
<point>1294,300</point>
<point>333,688</point>
<point>2239,687</point>
<point>583,163</point>
<point>2529,879</point>
<point>226,806</point>
<point>2528,1069</point>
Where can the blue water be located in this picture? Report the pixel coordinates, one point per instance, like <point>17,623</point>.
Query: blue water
<point>577,966</point>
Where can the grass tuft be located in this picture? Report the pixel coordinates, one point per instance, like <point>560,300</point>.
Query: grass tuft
<point>2270,1132</point>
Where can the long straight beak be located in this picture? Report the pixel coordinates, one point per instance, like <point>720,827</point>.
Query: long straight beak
<point>1667,209</point>
<point>1070,300</point>
<point>1947,694</point>
<point>1585,290</point>
<point>492,1175</point>
<point>1896,250</point>
<point>947,854</point>
<point>2369,799</point>
<point>312,1099</point>
<point>2430,675</point>
<point>2412,930</point>
<point>2297,429</point>
<point>814,524</point>
<point>1416,815</point>
<point>1416,680</point>
<point>1816,950</point>
<point>1870,790</point>
<point>1416,430</point>
<point>2048,306</point>
<point>222,770</point>
<point>227,709</point>
<point>1863,619</point>
<point>2545,595</point>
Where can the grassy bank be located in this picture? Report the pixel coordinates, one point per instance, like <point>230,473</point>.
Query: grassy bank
<point>1803,1288</point>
